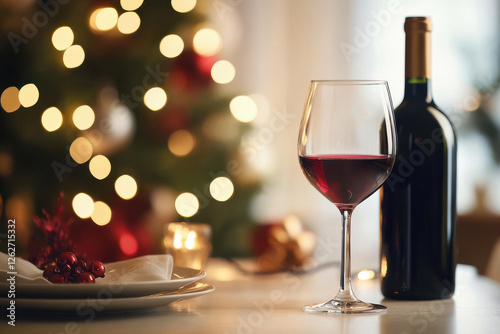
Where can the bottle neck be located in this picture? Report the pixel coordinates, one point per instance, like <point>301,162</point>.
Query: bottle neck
<point>418,89</point>
<point>418,59</point>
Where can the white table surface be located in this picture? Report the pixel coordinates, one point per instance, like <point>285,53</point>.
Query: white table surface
<point>273,304</point>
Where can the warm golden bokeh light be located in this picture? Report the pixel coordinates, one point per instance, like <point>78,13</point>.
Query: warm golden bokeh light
<point>6,167</point>
<point>104,19</point>
<point>155,98</point>
<point>221,189</point>
<point>243,108</point>
<point>28,95</point>
<point>52,119</point>
<point>10,99</point>
<point>81,150</point>
<point>186,204</point>
<point>100,167</point>
<point>129,22</point>
<point>181,142</point>
<point>207,42</point>
<point>83,117</point>
<point>83,205</point>
<point>223,72</point>
<point>92,20</point>
<point>171,46</point>
<point>183,6</point>
<point>73,56</point>
<point>126,187</point>
<point>62,38</point>
<point>366,274</point>
<point>101,214</point>
<point>131,4</point>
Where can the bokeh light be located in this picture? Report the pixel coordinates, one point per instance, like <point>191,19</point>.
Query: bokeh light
<point>221,189</point>
<point>131,4</point>
<point>83,117</point>
<point>62,38</point>
<point>129,22</point>
<point>126,187</point>
<point>243,108</point>
<point>366,274</point>
<point>101,214</point>
<point>81,150</point>
<point>103,19</point>
<point>186,205</point>
<point>155,98</point>
<point>83,205</point>
<point>73,56</point>
<point>471,102</point>
<point>52,119</point>
<point>171,46</point>
<point>10,99</point>
<point>128,244</point>
<point>181,142</point>
<point>6,167</point>
<point>106,18</point>
<point>28,95</point>
<point>223,72</point>
<point>183,6</point>
<point>100,167</point>
<point>207,42</point>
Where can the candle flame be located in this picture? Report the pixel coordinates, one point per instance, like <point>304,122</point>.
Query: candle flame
<point>190,240</point>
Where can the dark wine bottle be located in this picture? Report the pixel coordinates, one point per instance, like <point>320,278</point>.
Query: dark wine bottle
<point>418,200</point>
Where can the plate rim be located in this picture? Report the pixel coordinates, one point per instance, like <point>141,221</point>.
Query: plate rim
<point>59,291</point>
<point>116,304</point>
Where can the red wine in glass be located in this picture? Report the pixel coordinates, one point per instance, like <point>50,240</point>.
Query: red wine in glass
<point>346,180</point>
<point>342,156</point>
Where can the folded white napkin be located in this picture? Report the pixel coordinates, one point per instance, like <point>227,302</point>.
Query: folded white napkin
<point>27,272</point>
<point>141,269</point>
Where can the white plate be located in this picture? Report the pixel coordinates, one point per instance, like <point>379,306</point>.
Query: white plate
<point>180,277</point>
<point>90,306</point>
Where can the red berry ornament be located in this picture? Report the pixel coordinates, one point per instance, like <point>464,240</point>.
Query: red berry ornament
<point>65,260</point>
<point>96,268</point>
<point>85,277</point>
<point>65,268</point>
<point>69,269</point>
<point>83,263</point>
<point>50,270</point>
<point>75,271</point>
<point>56,278</point>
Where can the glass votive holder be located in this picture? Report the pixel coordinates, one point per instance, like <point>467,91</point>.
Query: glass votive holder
<point>188,243</point>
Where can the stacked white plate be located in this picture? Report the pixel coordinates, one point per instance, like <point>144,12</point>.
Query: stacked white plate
<point>85,299</point>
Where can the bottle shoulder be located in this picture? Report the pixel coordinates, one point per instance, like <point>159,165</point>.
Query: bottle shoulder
<point>423,120</point>
<point>410,111</point>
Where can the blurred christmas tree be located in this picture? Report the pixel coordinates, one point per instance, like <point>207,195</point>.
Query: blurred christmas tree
<point>120,101</point>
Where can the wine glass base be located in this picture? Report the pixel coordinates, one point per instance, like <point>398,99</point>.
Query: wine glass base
<point>337,306</point>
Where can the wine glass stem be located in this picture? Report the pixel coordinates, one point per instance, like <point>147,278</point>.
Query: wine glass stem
<point>345,293</point>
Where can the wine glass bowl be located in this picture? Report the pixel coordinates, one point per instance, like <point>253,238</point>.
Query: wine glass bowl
<point>342,156</point>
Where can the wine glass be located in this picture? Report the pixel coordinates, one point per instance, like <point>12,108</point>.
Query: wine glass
<point>347,147</point>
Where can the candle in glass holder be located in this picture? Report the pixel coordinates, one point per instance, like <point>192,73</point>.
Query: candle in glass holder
<point>188,243</point>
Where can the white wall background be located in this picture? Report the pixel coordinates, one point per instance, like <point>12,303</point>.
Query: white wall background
<point>278,46</point>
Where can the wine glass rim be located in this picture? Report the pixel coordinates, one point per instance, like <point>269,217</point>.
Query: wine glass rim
<point>350,82</point>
